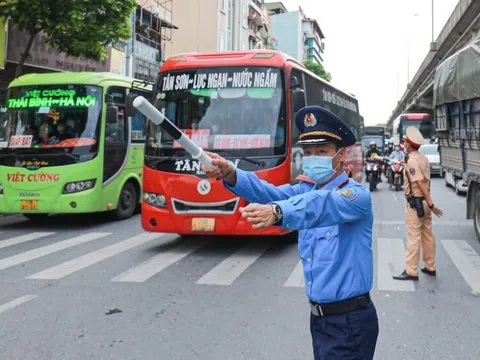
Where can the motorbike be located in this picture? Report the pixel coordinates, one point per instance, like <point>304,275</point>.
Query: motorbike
<point>396,176</point>
<point>371,171</point>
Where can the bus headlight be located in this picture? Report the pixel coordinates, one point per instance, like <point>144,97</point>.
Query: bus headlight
<point>77,186</point>
<point>1,189</point>
<point>156,200</point>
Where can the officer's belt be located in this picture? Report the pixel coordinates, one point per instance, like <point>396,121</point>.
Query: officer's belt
<point>417,197</point>
<point>340,307</point>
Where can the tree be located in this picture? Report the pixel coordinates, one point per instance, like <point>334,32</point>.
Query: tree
<point>75,27</point>
<point>317,69</point>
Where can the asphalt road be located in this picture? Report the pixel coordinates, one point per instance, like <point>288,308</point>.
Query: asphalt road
<point>93,289</point>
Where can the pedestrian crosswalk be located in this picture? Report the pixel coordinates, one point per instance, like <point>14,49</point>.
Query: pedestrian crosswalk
<point>64,255</point>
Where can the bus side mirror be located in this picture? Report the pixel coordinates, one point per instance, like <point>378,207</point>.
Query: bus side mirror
<point>130,110</point>
<point>298,99</point>
<point>112,114</point>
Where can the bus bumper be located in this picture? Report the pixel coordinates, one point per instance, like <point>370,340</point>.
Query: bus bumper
<point>76,203</point>
<point>162,220</point>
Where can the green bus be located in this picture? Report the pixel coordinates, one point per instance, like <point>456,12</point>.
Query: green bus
<point>66,146</point>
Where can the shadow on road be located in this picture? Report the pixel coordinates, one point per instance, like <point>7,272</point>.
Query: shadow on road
<point>56,222</point>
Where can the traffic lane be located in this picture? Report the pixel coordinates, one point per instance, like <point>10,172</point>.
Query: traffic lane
<point>435,321</point>
<point>434,325</point>
<point>254,319</point>
<point>170,315</point>
<point>389,211</point>
<point>272,315</point>
<point>389,204</point>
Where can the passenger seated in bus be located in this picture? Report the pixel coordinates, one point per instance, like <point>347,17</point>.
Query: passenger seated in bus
<point>268,126</point>
<point>195,123</point>
<point>59,134</point>
<point>31,130</point>
<point>70,129</point>
<point>46,129</point>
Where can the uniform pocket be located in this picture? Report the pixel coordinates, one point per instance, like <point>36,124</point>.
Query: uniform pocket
<point>326,244</point>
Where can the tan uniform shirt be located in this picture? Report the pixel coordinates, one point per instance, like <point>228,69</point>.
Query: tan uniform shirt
<point>418,168</point>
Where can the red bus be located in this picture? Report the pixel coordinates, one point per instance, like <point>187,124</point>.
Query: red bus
<point>240,105</point>
<point>421,121</point>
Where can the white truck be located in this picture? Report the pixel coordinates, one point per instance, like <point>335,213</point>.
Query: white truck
<point>456,99</point>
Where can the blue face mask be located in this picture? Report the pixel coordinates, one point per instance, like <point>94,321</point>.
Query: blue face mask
<point>318,168</point>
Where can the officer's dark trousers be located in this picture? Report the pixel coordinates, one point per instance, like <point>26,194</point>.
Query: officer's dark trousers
<point>351,335</point>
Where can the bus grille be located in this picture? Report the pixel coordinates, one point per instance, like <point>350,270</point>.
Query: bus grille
<point>223,207</point>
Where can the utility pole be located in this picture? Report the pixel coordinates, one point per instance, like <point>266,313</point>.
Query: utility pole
<point>432,21</point>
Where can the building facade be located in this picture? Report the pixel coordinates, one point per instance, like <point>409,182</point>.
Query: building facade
<point>219,25</point>
<point>152,29</point>
<point>296,34</point>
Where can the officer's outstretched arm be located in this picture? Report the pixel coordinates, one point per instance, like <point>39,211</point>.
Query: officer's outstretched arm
<point>325,208</point>
<point>252,189</point>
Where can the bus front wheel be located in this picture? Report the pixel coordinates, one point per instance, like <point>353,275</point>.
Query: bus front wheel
<point>127,202</point>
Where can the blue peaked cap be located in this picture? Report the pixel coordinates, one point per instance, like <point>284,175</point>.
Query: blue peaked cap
<point>318,125</point>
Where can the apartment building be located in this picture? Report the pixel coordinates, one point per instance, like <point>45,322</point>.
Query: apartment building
<point>218,25</point>
<point>295,33</point>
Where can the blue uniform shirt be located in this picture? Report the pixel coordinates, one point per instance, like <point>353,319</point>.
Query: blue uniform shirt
<point>335,231</point>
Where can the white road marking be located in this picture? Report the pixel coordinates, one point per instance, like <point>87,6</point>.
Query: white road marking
<point>23,238</point>
<point>391,261</point>
<point>466,260</point>
<point>18,301</point>
<point>296,277</point>
<point>69,267</point>
<point>49,249</point>
<point>158,263</point>
<point>395,197</point>
<point>232,267</point>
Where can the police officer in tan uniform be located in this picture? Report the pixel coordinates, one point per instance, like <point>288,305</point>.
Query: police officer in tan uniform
<point>419,209</point>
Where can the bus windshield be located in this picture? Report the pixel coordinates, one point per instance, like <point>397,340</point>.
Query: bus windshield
<point>425,127</point>
<point>43,120</point>
<point>235,110</point>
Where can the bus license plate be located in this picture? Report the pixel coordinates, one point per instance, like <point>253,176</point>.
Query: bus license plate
<point>29,205</point>
<point>203,224</point>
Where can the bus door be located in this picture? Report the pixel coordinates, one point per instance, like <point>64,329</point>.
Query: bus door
<point>116,135</point>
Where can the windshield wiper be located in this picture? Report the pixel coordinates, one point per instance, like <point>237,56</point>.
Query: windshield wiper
<point>165,158</point>
<point>255,162</point>
<point>187,155</point>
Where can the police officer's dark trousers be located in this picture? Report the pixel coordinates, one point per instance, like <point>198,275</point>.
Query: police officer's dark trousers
<point>351,335</point>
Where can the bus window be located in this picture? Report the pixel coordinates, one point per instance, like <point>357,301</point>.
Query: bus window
<point>139,122</point>
<point>295,133</point>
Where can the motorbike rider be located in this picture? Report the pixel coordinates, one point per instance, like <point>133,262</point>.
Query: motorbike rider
<point>390,148</point>
<point>397,155</point>
<point>370,155</point>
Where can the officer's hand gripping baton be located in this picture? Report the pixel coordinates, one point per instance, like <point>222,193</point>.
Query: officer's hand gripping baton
<point>147,109</point>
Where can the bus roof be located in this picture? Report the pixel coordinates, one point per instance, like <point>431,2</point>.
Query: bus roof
<point>90,78</point>
<point>273,58</point>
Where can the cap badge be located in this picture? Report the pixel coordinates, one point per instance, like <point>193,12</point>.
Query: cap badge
<point>310,120</point>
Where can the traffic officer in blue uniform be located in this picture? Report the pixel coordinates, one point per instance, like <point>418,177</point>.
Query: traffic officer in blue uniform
<point>334,217</point>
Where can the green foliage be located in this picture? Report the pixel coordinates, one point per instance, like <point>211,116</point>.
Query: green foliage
<point>76,27</point>
<point>317,69</point>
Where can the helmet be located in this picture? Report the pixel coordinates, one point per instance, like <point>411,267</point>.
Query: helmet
<point>373,143</point>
